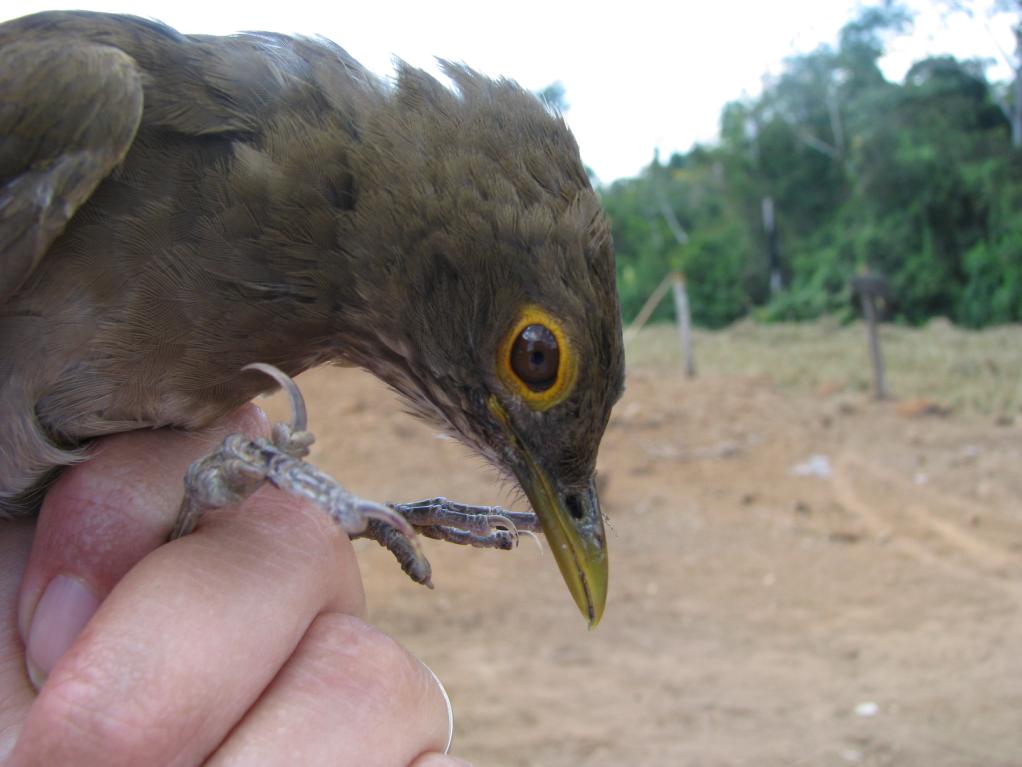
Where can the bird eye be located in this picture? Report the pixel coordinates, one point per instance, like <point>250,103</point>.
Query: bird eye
<point>536,360</point>
<point>535,357</point>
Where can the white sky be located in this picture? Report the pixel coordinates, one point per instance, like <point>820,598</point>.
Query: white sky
<point>639,74</point>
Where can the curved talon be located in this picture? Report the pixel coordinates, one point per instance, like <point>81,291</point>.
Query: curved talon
<point>299,416</point>
<point>389,517</point>
<point>534,537</point>
<point>396,522</point>
<point>500,519</point>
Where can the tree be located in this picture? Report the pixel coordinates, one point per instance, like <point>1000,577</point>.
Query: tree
<point>917,180</point>
<point>1010,12</point>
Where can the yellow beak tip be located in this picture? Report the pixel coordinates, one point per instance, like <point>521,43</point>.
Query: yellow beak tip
<point>586,577</point>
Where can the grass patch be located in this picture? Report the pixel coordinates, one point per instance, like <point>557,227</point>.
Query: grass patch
<point>970,371</point>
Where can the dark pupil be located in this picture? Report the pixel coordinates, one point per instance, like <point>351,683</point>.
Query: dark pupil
<point>535,357</point>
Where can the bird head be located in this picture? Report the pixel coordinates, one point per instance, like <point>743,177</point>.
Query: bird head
<point>486,294</point>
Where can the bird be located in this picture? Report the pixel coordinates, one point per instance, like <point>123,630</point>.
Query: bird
<point>175,207</point>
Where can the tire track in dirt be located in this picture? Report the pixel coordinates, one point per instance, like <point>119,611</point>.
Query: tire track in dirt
<point>907,515</point>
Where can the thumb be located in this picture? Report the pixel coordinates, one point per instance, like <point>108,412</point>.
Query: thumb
<point>99,519</point>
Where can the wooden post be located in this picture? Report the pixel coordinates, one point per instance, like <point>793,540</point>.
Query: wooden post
<point>869,288</point>
<point>684,319</point>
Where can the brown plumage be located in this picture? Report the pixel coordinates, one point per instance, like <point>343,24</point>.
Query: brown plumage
<point>175,207</point>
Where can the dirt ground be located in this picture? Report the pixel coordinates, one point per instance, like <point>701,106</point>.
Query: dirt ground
<point>863,607</point>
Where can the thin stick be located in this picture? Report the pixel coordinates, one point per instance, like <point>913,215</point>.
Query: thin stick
<point>647,308</point>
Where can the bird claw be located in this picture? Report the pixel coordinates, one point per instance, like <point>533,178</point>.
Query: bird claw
<point>480,526</point>
<point>241,464</point>
<point>299,415</point>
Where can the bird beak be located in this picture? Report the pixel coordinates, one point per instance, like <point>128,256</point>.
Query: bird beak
<point>572,523</point>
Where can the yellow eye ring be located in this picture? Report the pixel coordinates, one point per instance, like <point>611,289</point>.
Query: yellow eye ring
<point>538,322</point>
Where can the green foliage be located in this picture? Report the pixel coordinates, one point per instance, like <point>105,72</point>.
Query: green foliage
<point>639,232</point>
<point>716,255</point>
<point>992,267</point>
<point>713,264</point>
<point>916,180</point>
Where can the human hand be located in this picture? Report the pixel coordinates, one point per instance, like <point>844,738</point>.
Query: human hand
<point>242,643</point>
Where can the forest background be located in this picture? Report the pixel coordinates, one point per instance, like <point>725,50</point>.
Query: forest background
<point>918,181</point>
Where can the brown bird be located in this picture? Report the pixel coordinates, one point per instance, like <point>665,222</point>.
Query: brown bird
<point>174,207</point>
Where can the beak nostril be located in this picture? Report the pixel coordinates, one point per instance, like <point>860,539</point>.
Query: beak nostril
<point>574,507</point>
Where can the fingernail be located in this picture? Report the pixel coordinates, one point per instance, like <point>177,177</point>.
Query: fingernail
<point>61,614</point>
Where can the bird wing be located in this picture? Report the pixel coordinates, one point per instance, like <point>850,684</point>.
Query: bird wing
<point>69,111</point>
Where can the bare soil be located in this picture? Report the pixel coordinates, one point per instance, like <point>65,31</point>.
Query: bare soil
<point>867,614</point>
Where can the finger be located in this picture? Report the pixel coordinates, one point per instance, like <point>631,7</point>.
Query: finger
<point>185,643</point>
<point>15,543</point>
<point>99,519</point>
<point>349,695</point>
<point>439,760</point>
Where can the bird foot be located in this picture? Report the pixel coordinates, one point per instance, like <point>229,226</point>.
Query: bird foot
<point>490,527</point>
<point>241,464</point>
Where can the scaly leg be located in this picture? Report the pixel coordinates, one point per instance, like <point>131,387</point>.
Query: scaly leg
<point>481,526</point>
<point>240,465</point>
